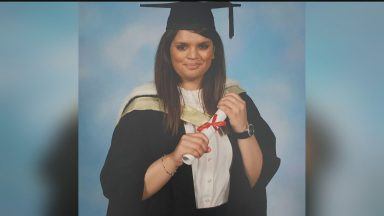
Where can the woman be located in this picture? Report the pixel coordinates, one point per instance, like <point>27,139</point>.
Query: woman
<point>144,173</point>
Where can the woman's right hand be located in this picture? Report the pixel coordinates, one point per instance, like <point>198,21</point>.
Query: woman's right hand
<point>195,144</point>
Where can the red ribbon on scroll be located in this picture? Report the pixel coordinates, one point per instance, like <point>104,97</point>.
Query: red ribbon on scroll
<point>214,124</point>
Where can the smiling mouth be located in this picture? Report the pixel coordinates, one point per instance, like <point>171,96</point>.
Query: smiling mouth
<point>192,66</point>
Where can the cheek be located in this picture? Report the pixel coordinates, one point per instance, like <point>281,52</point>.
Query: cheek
<point>207,55</point>
<point>208,63</point>
<point>177,60</point>
<point>176,56</point>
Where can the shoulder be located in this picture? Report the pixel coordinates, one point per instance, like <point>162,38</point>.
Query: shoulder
<point>138,117</point>
<point>148,88</point>
<point>139,122</point>
<point>232,86</point>
<point>231,82</point>
<point>141,90</point>
<point>145,90</point>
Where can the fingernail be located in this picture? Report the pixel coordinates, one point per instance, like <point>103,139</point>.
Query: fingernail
<point>209,149</point>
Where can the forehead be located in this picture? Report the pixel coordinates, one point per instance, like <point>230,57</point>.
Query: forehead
<point>187,36</point>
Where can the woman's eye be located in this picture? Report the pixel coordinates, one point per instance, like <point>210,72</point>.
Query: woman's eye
<point>181,47</point>
<point>203,46</point>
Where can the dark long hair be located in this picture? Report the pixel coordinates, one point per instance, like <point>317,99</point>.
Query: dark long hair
<point>167,80</point>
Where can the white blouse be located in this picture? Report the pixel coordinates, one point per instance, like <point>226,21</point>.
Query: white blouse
<point>210,171</point>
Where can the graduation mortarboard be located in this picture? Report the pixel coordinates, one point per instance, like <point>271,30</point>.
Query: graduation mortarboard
<point>192,15</point>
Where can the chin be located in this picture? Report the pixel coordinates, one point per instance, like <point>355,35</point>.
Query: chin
<point>192,78</point>
<point>194,75</point>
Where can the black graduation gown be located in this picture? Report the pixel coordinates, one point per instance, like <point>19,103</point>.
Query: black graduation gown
<point>140,138</point>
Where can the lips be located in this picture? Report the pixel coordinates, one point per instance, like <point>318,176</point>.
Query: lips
<point>192,66</point>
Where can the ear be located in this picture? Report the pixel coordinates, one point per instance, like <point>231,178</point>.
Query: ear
<point>213,55</point>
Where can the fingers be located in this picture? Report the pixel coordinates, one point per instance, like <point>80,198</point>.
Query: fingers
<point>195,144</point>
<point>198,141</point>
<point>205,138</point>
<point>233,105</point>
<point>195,150</point>
<point>233,102</point>
<point>201,135</point>
<point>232,99</point>
<point>236,110</point>
<point>192,151</point>
<point>230,102</point>
<point>225,108</point>
<point>235,97</point>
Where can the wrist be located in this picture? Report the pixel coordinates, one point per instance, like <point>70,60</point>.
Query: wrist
<point>242,128</point>
<point>166,166</point>
<point>248,132</point>
<point>176,162</point>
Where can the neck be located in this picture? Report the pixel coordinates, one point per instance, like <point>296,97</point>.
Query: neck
<point>190,85</point>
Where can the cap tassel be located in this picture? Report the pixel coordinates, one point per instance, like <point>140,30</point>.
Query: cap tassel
<point>230,19</point>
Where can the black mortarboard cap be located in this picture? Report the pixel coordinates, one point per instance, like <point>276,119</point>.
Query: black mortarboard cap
<point>192,15</point>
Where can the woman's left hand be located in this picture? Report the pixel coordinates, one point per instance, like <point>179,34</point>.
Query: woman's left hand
<point>236,110</point>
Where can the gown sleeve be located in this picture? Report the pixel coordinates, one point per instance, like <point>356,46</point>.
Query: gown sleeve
<point>122,176</point>
<point>267,143</point>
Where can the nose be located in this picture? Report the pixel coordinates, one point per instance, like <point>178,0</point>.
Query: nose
<point>193,53</point>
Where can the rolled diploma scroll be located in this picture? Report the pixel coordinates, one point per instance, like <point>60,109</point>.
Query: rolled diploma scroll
<point>221,116</point>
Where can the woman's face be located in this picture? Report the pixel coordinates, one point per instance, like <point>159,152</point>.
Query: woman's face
<point>191,56</point>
